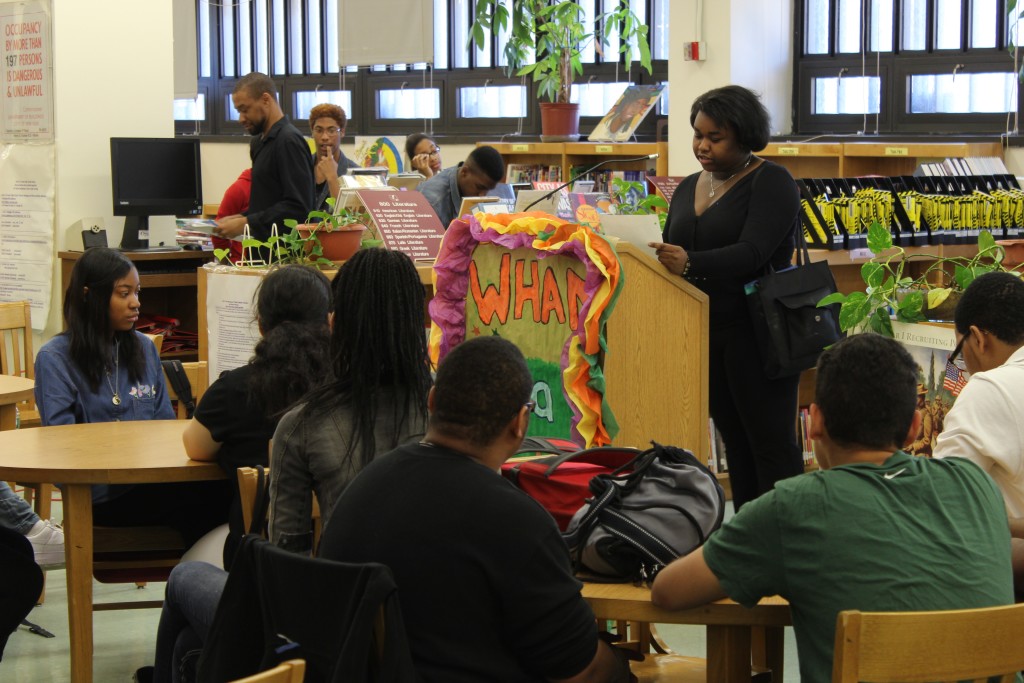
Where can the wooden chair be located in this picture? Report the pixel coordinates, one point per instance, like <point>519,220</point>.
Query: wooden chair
<point>292,671</point>
<point>16,358</point>
<point>954,645</point>
<point>199,379</point>
<point>247,482</point>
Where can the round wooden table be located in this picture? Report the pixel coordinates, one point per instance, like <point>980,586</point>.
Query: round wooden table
<point>78,456</point>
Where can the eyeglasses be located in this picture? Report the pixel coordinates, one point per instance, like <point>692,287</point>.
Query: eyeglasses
<point>434,153</point>
<point>530,405</point>
<point>956,358</point>
<point>330,131</point>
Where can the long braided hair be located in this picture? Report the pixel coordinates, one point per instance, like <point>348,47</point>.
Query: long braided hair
<point>87,317</point>
<point>378,344</point>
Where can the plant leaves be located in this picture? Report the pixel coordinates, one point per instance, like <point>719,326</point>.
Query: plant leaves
<point>909,308</point>
<point>873,273</point>
<point>881,322</point>
<point>833,298</point>
<point>879,238</point>
<point>937,296</point>
<point>854,309</point>
<point>985,241</point>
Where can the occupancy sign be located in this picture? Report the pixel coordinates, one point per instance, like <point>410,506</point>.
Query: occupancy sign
<point>406,222</point>
<point>26,61</point>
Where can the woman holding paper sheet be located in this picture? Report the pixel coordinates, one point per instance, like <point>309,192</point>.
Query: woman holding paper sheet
<point>726,225</point>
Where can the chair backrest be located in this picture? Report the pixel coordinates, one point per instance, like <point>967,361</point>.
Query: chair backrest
<point>16,356</point>
<point>326,612</point>
<point>157,339</point>
<point>248,482</point>
<point>198,379</point>
<point>292,671</point>
<point>954,645</point>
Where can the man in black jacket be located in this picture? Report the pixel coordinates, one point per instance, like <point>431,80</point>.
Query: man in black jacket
<point>282,168</point>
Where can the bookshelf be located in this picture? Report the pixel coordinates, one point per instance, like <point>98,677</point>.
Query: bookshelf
<point>850,159</point>
<point>169,286</point>
<point>567,155</point>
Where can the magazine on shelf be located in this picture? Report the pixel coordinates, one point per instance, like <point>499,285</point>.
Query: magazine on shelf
<point>626,114</point>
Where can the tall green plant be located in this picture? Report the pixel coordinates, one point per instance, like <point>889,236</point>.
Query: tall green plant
<point>547,36</point>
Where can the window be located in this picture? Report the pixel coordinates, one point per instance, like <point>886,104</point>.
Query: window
<point>903,65</point>
<point>465,92</point>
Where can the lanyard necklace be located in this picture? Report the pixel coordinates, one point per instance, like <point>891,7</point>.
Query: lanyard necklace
<point>711,177</point>
<point>116,400</point>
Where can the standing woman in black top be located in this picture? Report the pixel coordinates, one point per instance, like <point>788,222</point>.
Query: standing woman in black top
<point>726,225</point>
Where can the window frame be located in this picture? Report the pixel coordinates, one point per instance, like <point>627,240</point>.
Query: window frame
<point>365,84</point>
<point>894,68</point>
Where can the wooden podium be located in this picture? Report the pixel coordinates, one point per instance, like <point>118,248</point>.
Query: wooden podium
<point>656,367</point>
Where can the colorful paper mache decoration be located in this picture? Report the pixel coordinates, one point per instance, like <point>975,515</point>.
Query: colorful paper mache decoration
<point>546,285</point>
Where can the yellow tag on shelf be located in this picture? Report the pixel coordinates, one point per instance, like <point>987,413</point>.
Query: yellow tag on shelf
<point>520,148</point>
<point>603,149</point>
<point>789,151</point>
<point>897,152</point>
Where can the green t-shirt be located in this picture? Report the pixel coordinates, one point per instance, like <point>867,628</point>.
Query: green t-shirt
<point>912,534</point>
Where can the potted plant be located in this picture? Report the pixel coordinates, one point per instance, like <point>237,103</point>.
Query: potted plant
<point>631,199</point>
<point>339,234</point>
<point>545,42</point>
<point>889,292</point>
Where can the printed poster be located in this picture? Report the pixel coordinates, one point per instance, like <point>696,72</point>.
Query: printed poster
<point>26,76</point>
<point>26,227</point>
<point>938,381</point>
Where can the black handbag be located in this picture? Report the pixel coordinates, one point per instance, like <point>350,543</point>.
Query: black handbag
<point>790,328</point>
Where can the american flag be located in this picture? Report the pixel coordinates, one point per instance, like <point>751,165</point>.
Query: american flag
<point>955,380</point>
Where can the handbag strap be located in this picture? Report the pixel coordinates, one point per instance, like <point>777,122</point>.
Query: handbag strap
<point>179,382</point>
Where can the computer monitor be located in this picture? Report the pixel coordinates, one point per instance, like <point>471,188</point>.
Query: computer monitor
<point>153,177</point>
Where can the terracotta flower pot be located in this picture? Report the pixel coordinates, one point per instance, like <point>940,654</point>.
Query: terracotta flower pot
<point>559,121</point>
<point>1014,252</point>
<point>339,244</point>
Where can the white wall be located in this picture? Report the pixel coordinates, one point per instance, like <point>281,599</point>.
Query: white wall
<point>749,43</point>
<point>113,76</point>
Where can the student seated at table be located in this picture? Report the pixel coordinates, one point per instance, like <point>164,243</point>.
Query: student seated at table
<point>376,400</point>
<point>424,154</point>
<point>484,578</point>
<point>46,537</point>
<point>875,530</point>
<point>482,170</point>
<point>237,415</point>
<point>102,370</point>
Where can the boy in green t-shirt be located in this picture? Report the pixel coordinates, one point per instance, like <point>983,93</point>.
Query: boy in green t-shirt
<point>874,530</point>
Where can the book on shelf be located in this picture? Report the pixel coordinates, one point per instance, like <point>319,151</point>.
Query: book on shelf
<point>531,173</point>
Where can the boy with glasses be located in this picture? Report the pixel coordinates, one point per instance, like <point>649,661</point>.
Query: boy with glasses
<point>984,425</point>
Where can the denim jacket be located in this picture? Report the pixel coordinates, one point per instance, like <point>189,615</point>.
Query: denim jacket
<point>309,455</point>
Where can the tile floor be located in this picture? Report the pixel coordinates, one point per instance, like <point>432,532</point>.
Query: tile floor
<point>124,639</point>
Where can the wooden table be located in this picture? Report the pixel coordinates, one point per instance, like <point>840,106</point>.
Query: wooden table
<point>13,390</point>
<point>729,626</point>
<point>85,454</point>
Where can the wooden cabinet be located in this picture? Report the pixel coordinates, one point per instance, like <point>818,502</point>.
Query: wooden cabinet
<point>570,154</point>
<point>168,282</point>
<point>850,159</point>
